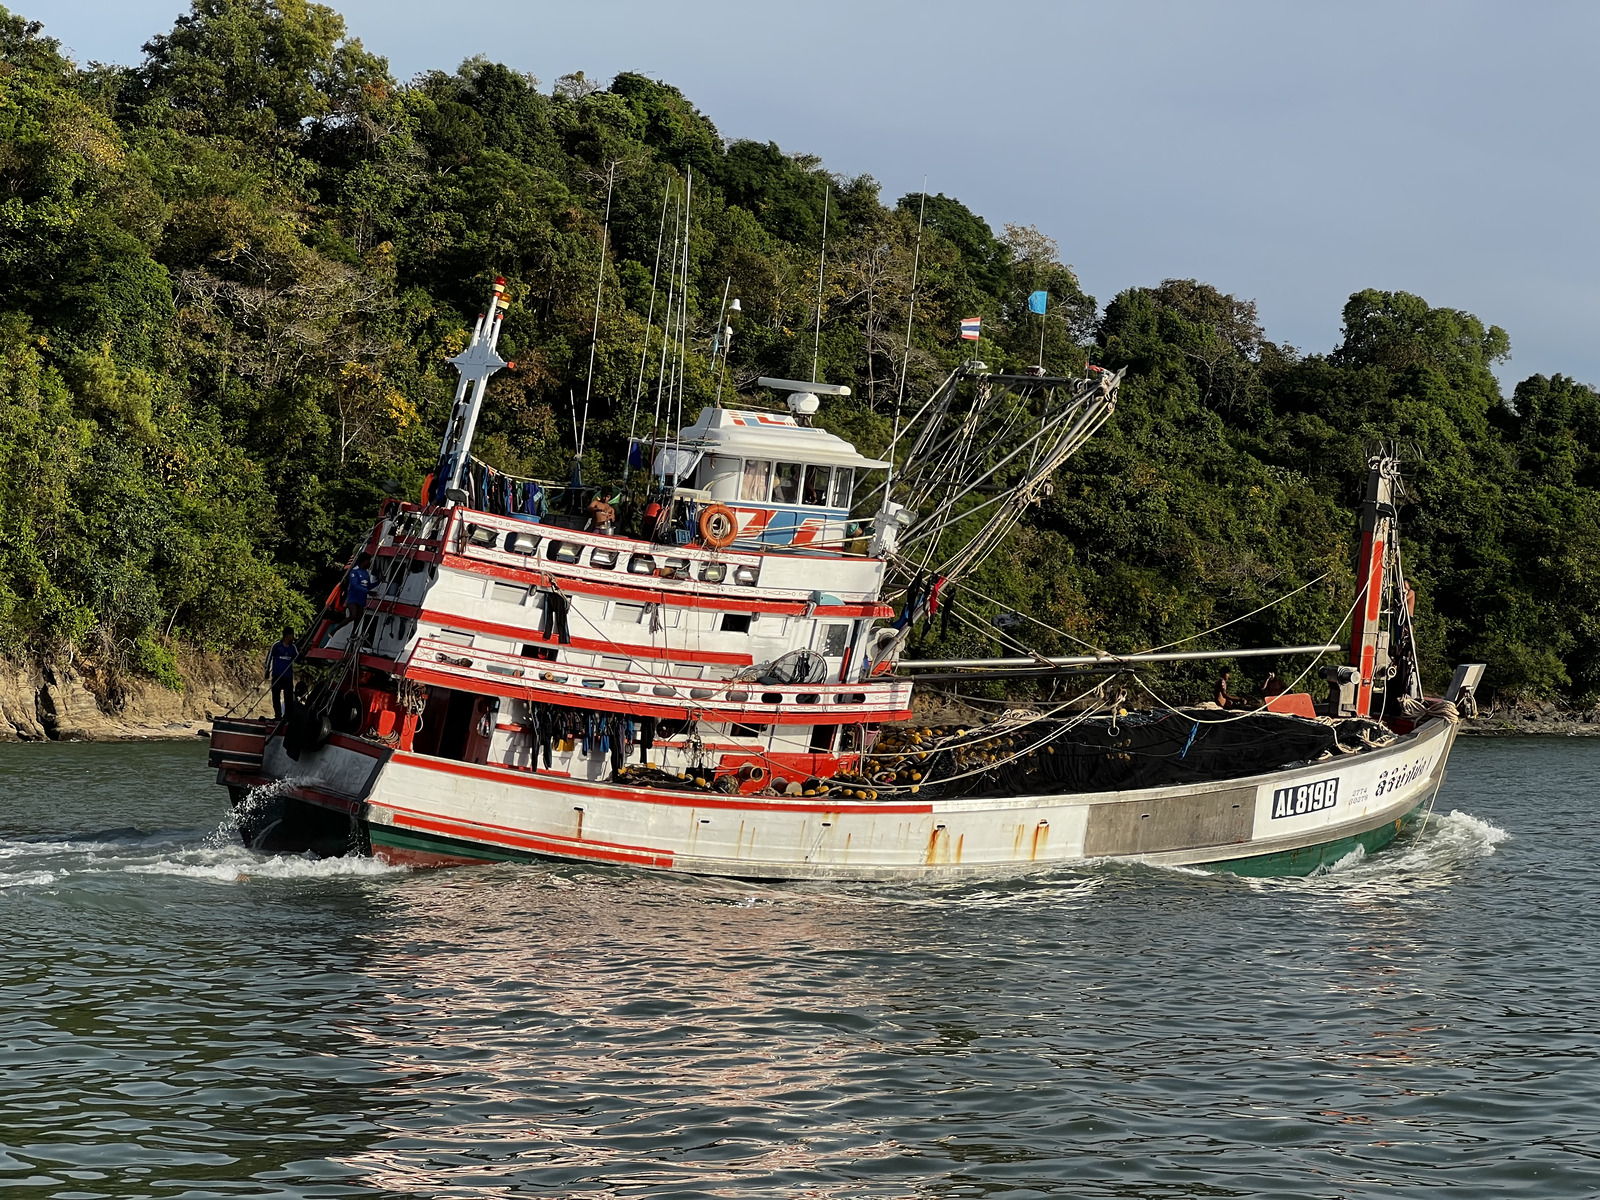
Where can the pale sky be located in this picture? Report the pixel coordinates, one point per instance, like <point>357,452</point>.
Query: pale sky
<point>1290,153</point>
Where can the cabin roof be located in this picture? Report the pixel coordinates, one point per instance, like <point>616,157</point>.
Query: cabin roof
<point>773,435</point>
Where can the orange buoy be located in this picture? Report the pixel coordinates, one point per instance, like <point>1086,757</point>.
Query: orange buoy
<point>718,526</point>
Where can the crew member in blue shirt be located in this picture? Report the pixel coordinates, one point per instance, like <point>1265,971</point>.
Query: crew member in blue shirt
<point>356,586</point>
<point>280,669</point>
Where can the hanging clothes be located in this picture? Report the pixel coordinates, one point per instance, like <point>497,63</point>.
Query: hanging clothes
<point>555,618</point>
<point>618,754</point>
<point>933,604</point>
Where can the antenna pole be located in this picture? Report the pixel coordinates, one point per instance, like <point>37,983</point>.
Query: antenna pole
<point>599,282</point>
<point>683,316</point>
<point>644,350</point>
<point>905,362</point>
<point>666,331</point>
<point>716,338</point>
<point>822,265</point>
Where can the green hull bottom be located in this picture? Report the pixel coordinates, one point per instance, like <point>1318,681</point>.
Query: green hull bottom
<point>416,848</point>
<point>1306,859</point>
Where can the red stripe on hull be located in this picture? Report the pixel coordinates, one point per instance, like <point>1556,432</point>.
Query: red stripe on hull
<point>602,645</point>
<point>555,847</point>
<point>398,856</point>
<point>659,595</point>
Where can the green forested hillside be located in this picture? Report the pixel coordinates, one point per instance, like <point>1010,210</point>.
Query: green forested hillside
<point>230,276</point>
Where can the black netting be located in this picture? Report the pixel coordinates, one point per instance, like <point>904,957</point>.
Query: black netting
<point>1134,751</point>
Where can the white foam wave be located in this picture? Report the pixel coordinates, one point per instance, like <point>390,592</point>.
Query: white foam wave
<point>1348,863</point>
<point>1427,855</point>
<point>26,879</point>
<point>240,866</point>
<point>36,849</point>
<point>211,855</point>
<point>1474,830</point>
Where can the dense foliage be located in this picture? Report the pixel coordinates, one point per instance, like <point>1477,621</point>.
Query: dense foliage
<point>232,275</point>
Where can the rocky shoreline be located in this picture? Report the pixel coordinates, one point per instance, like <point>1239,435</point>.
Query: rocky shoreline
<point>69,703</point>
<point>43,702</point>
<point>1550,722</point>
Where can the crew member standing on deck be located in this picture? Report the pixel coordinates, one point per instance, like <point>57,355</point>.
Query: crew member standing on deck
<point>356,586</point>
<point>280,670</point>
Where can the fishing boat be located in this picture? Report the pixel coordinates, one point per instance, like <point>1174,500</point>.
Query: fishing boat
<point>713,678</point>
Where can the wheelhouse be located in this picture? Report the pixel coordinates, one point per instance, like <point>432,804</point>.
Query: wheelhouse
<point>788,484</point>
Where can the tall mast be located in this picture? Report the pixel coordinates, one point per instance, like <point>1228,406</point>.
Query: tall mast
<point>649,321</point>
<point>683,317</point>
<point>474,364</point>
<point>905,362</point>
<point>822,265</point>
<point>599,283</point>
<point>1369,639</point>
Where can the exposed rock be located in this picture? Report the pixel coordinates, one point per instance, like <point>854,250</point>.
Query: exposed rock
<point>1544,721</point>
<point>65,702</point>
<point>19,703</point>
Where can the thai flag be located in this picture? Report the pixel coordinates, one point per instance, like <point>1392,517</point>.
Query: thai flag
<point>969,328</point>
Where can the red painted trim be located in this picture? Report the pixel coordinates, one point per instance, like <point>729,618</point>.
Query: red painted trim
<point>245,743</point>
<point>345,742</point>
<point>599,645</point>
<point>477,566</point>
<point>397,857</point>
<point>416,551</point>
<point>324,799</point>
<point>696,799</point>
<point>323,654</point>
<point>655,594</point>
<point>1375,573</point>
<point>599,701</point>
<point>395,607</point>
<point>472,831</point>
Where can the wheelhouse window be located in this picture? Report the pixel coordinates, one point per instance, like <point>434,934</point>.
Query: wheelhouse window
<point>717,468</point>
<point>834,639</point>
<point>754,483</point>
<point>814,490</point>
<point>843,482</point>
<point>786,484</point>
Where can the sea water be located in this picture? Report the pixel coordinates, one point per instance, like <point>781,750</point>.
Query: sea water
<point>182,1018</point>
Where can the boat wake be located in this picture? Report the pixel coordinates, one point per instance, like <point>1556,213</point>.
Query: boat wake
<point>209,854</point>
<point>1427,854</point>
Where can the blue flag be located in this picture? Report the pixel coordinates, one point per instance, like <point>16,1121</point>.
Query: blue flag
<point>1037,301</point>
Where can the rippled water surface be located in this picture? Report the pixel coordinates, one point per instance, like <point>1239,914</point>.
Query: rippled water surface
<point>179,1018</point>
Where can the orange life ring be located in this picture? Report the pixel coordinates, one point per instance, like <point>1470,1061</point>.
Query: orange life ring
<point>718,526</point>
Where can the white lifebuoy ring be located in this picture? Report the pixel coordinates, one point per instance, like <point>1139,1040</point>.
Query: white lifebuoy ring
<point>718,526</point>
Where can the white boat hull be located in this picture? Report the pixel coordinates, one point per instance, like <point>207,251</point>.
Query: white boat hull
<point>422,810</point>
